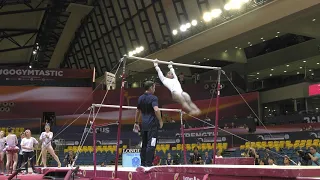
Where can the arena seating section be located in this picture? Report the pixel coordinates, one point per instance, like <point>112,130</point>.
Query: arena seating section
<point>17,130</point>
<point>106,154</point>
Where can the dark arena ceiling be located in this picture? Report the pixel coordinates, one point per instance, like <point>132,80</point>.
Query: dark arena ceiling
<point>83,34</point>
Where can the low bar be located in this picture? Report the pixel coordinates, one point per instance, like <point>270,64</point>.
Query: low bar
<point>196,129</point>
<point>133,107</point>
<point>175,64</point>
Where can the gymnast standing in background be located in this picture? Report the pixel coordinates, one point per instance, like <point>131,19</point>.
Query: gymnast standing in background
<point>46,138</point>
<point>11,150</point>
<point>2,146</point>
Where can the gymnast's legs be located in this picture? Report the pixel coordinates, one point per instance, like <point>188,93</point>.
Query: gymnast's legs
<point>187,98</point>
<point>184,99</point>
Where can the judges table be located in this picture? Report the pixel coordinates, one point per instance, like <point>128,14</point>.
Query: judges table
<point>235,161</point>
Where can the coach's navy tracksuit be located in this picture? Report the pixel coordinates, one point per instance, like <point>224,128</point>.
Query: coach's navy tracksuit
<point>150,126</point>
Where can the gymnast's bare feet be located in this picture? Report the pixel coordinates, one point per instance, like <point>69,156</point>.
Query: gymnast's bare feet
<point>195,112</point>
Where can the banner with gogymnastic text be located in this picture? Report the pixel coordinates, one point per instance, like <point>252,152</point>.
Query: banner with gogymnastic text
<point>44,74</point>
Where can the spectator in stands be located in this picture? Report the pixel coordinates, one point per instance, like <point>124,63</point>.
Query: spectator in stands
<point>2,146</point>
<point>20,155</point>
<point>314,155</point>
<point>176,159</point>
<point>219,154</point>
<point>181,78</point>
<point>286,161</point>
<point>69,159</point>
<point>27,145</point>
<point>46,138</point>
<point>252,153</point>
<point>148,108</point>
<point>207,159</point>
<point>11,150</point>
<point>195,157</point>
<point>261,162</point>
<point>169,160</point>
<point>156,159</point>
<point>271,161</point>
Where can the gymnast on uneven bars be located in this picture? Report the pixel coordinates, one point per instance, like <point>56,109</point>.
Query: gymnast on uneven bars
<point>171,81</point>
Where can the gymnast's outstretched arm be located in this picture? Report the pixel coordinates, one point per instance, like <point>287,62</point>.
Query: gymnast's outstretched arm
<point>160,74</point>
<point>172,70</point>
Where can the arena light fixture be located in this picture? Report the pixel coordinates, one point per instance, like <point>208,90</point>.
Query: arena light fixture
<point>318,63</point>
<point>175,32</point>
<point>298,72</point>
<point>258,73</point>
<point>270,74</point>
<point>314,20</point>
<point>188,25</point>
<point>284,71</point>
<point>183,28</point>
<point>216,13</point>
<point>300,67</point>
<point>194,22</point>
<point>207,17</point>
<point>287,65</point>
<point>272,69</point>
<point>304,61</point>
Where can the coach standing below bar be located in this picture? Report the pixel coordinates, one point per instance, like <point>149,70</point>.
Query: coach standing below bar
<point>151,122</point>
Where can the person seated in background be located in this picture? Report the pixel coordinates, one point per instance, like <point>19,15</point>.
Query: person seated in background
<point>218,155</point>
<point>176,159</point>
<point>169,160</point>
<point>252,153</point>
<point>286,160</point>
<point>69,159</point>
<point>156,159</point>
<point>271,161</point>
<point>102,164</point>
<point>207,159</point>
<point>261,162</point>
<point>314,156</point>
<point>195,157</point>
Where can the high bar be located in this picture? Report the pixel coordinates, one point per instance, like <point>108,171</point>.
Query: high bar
<point>175,64</point>
<point>133,107</point>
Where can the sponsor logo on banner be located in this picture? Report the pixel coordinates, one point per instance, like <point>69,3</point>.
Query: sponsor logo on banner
<point>274,137</point>
<point>131,151</point>
<point>311,119</point>
<point>31,72</point>
<point>108,142</point>
<point>190,178</point>
<point>168,141</point>
<point>314,134</point>
<point>105,130</point>
<point>196,134</point>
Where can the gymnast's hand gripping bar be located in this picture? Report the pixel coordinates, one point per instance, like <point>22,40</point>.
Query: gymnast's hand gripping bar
<point>173,63</point>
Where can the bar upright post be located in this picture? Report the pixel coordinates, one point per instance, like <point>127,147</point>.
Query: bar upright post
<point>216,125</point>
<point>120,115</point>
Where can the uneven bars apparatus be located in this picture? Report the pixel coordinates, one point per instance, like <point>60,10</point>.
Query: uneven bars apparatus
<point>217,97</point>
<point>123,60</point>
<point>116,107</point>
